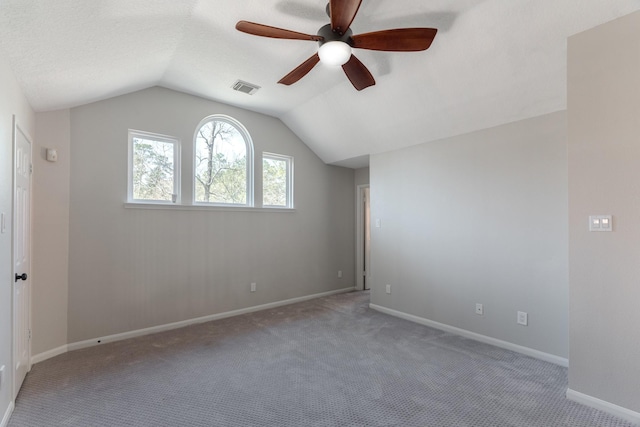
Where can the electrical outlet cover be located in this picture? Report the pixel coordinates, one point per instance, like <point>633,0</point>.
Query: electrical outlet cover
<point>523,318</point>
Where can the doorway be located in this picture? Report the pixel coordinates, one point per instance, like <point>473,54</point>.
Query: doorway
<point>363,238</point>
<point>21,256</point>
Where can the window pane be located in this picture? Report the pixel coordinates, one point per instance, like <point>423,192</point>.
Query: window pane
<point>274,182</point>
<point>220,164</point>
<point>153,169</point>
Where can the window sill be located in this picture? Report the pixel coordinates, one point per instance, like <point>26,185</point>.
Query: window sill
<point>177,207</point>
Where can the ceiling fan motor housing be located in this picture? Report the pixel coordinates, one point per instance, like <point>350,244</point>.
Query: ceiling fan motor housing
<point>330,36</point>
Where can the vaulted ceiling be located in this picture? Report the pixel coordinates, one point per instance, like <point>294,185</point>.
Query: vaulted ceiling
<point>492,62</point>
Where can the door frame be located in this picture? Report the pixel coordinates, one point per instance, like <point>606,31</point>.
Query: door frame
<point>360,236</point>
<point>17,128</point>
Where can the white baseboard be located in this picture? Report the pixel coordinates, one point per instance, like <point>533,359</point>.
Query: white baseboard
<point>48,354</point>
<point>183,323</point>
<point>604,406</point>
<point>474,336</point>
<point>7,415</point>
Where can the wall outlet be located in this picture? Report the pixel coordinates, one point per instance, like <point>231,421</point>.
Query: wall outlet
<point>388,289</point>
<point>253,286</point>
<point>339,274</point>
<point>1,376</point>
<point>479,309</point>
<point>523,318</point>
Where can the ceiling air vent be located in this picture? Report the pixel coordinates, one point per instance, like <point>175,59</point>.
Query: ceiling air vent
<point>245,87</point>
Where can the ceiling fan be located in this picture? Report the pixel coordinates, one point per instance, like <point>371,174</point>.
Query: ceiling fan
<point>336,40</point>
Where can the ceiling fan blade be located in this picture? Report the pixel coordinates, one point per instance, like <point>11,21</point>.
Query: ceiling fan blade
<point>274,32</point>
<point>397,40</point>
<point>300,71</point>
<point>358,74</point>
<point>342,13</point>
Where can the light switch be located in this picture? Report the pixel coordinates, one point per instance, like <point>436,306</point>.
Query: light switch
<point>378,223</point>
<point>601,223</point>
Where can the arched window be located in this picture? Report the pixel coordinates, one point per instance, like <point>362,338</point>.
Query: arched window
<point>223,162</point>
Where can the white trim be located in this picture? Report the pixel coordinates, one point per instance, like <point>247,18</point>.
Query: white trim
<point>474,336</point>
<point>40,357</point>
<point>604,406</point>
<point>7,415</point>
<point>360,235</point>
<point>203,207</point>
<point>183,323</point>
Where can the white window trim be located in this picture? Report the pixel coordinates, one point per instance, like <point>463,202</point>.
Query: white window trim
<point>250,174</point>
<point>289,162</point>
<point>176,166</point>
<point>206,207</point>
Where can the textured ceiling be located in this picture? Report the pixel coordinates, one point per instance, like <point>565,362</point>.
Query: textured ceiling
<point>492,62</point>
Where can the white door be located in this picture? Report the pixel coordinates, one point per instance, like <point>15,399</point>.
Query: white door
<point>21,257</point>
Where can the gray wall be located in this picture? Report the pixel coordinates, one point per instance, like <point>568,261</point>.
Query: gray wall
<point>604,178</point>
<point>362,176</point>
<point>136,268</point>
<point>50,236</point>
<point>479,218</point>
<point>12,102</point>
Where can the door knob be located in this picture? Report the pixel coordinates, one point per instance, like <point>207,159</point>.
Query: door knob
<point>22,276</point>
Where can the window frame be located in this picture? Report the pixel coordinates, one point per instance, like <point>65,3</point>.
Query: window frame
<point>289,179</point>
<point>177,149</point>
<point>242,130</point>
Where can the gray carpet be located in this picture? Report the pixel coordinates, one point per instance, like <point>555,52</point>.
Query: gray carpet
<point>326,362</point>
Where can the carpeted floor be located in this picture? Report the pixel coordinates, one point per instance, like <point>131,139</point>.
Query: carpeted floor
<point>326,362</point>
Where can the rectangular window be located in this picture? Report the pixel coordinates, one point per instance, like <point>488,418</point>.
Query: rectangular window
<point>154,168</point>
<point>277,181</point>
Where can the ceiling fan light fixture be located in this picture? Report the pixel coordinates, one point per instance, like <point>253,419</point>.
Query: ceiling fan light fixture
<point>334,53</point>
<point>336,39</point>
